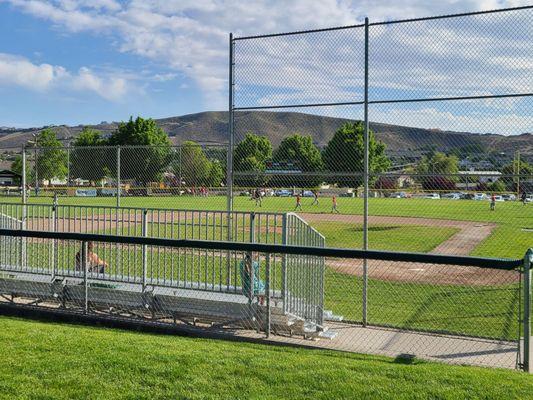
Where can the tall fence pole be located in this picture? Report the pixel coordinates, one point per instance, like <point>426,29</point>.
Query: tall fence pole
<point>267,293</point>
<point>85,263</point>
<point>284,238</point>
<point>144,249</point>
<point>118,176</point>
<point>23,241</point>
<point>23,177</point>
<point>528,260</point>
<point>365,178</point>
<point>36,170</point>
<point>68,168</point>
<point>229,157</point>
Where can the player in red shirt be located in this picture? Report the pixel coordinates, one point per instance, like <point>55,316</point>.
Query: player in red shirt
<point>334,205</point>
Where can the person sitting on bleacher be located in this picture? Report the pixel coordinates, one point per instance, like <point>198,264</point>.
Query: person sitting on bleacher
<point>96,264</point>
<point>249,268</point>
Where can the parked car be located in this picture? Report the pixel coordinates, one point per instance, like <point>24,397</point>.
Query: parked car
<point>451,196</point>
<point>283,193</point>
<point>480,196</point>
<point>498,198</point>
<point>508,197</point>
<point>434,196</point>
<point>399,195</point>
<point>347,194</point>
<point>308,193</point>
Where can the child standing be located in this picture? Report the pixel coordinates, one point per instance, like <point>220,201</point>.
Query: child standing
<point>298,203</point>
<point>315,200</point>
<point>334,205</point>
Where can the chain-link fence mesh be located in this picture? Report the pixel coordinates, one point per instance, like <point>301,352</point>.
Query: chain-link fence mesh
<point>453,313</point>
<point>450,155</point>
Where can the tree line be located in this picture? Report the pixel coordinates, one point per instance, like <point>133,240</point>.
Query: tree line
<point>147,155</point>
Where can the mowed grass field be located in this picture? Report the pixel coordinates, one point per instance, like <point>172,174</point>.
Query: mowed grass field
<point>509,239</point>
<point>58,361</point>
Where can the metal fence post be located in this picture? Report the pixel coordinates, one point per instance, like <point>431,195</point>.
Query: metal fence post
<point>267,293</point>
<point>54,241</point>
<point>284,235</point>
<point>36,162</point>
<point>68,168</point>
<point>23,241</point>
<point>252,227</point>
<point>144,249</point>
<point>528,260</point>
<point>118,176</point>
<point>365,177</point>
<point>23,177</point>
<point>229,157</point>
<point>85,263</point>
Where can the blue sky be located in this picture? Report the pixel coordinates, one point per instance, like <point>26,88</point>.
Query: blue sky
<point>86,61</point>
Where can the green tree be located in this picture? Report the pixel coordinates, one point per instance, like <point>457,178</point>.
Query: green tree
<point>89,137</point>
<point>345,154</point>
<point>438,171</point>
<point>300,150</point>
<point>89,158</point>
<point>216,174</point>
<point>497,186</point>
<point>251,155</point>
<point>196,168</point>
<point>16,167</point>
<point>524,169</point>
<point>513,168</point>
<point>51,158</point>
<point>438,163</point>
<point>142,164</point>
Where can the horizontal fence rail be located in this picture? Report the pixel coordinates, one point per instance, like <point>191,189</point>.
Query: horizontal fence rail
<point>483,262</point>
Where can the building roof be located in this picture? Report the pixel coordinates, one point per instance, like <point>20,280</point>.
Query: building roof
<point>6,172</point>
<point>480,173</point>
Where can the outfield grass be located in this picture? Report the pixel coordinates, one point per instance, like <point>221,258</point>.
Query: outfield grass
<point>482,311</point>
<point>55,361</point>
<point>507,240</point>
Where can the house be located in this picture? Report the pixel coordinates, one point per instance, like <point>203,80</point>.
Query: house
<point>9,178</point>
<point>481,176</point>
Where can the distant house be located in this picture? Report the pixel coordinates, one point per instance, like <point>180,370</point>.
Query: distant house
<point>482,176</point>
<point>9,178</point>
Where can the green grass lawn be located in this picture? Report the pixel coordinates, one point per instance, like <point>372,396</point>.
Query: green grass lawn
<point>411,238</point>
<point>480,311</point>
<point>55,361</point>
<point>507,240</point>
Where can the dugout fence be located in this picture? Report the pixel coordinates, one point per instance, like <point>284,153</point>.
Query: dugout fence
<point>296,281</point>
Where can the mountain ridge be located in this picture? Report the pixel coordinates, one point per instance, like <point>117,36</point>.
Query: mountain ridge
<point>212,127</point>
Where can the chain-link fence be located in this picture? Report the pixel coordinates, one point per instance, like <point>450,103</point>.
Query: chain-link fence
<point>410,136</point>
<point>154,280</point>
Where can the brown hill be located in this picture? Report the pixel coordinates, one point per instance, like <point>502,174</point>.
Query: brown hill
<point>209,127</point>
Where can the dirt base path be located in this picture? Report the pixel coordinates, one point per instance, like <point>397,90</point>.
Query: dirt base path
<point>470,235</point>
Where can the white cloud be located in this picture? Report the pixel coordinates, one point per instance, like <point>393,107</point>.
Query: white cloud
<point>504,123</point>
<point>434,58</point>
<point>19,71</point>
